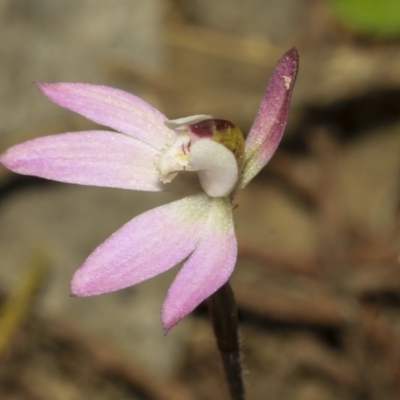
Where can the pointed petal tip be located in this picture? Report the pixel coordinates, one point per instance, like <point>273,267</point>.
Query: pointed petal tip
<point>10,160</point>
<point>294,57</point>
<point>75,289</point>
<point>167,327</point>
<point>170,320</point>
<point>3,159</point>
<point>81,286</point>
<point>45,87</point>
<point>84,284</point>
<point>292,53</point>
<point>41,85</point>
<point>57,91</point>
<point>289,62</point>
<point>62,93</point>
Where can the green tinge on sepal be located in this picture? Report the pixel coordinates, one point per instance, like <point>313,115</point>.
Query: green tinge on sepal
<point>230,136</point>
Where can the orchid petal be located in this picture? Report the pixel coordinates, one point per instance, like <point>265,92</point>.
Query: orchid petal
<point>216,166</point>
<point>97,158</point>
<point>268,127</point>
<point>148,245</point>
<point>111,107</point>
<point>207,269</point>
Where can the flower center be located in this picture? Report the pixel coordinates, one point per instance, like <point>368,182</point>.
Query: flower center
<point>224,132</point>
<point>175,158</point>
<point>213,148</point>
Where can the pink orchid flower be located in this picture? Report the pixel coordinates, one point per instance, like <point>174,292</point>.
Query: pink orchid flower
<point>204,156</point>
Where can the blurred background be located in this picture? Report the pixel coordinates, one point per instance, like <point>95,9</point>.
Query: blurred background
<point>317,281</point>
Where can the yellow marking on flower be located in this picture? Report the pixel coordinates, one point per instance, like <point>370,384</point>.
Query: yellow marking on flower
<point>230,136</point>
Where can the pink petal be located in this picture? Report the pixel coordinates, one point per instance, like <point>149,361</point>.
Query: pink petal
<point>89,158</point>
<point>216,165</point>
<point>146,246</point>
<point>268,127</point>
<point>111,107</point>
<point>207,269</point>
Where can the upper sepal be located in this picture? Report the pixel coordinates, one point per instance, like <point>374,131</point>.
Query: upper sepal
<point>270,122</point>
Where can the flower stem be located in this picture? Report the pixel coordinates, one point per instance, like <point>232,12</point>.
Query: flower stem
<point>224,320</point>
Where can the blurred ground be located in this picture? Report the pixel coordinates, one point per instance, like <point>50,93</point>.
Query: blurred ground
<point>317,282</point>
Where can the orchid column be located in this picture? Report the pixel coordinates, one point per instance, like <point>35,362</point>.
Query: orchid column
<point>203,156</point>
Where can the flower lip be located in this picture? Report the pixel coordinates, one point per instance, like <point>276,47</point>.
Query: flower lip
<point>216,167</point>
<point>223,132</point>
